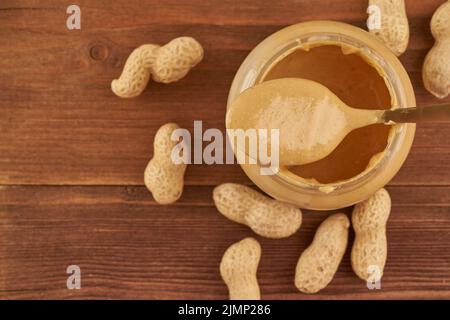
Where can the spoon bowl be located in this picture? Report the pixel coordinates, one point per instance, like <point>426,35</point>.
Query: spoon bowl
<point>311,120</point>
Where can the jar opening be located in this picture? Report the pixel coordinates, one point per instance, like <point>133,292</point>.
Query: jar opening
<point>286,186</point>
<point>361,79</point>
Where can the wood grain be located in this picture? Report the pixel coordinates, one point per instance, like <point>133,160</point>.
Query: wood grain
<point>58,114</point>
<point>72,157</point>
<point>129,247</point>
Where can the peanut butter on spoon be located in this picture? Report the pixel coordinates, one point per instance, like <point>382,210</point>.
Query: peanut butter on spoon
<point>311,119</point>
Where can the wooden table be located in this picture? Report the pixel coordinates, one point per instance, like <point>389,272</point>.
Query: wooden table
<point>72,157</point>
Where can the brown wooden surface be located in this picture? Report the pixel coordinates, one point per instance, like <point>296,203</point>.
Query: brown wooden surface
<point>72,157</point>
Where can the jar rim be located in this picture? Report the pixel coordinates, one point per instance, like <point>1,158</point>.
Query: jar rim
<point>337,33</point>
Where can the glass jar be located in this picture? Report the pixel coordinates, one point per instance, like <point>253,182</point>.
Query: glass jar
<point>285,186</point>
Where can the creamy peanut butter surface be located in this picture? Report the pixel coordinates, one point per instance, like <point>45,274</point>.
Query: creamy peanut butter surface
<point>358,84</point>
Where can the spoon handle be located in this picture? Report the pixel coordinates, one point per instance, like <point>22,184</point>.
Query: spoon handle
<point>439,113</point>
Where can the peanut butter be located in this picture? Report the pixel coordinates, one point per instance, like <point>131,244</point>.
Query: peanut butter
<point>359,85</point>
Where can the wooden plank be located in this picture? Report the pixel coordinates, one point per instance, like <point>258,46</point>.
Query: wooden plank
<point>199,196</point>
<point>104,14</point>
<point>129,247</point>
<point>58,115</point>
<point>56,157</point>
